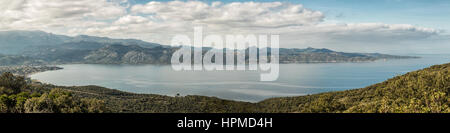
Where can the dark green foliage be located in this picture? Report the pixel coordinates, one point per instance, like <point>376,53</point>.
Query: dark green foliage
<point>9,84</point>
<point>423,91</point>
<point>117,101</point>
<point>16,96</point>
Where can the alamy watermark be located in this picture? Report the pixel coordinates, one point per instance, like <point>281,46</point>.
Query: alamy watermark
<point>242,52</point>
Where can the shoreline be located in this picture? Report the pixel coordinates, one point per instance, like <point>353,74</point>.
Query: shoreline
<point>28,70</point>
<point>189,94</point>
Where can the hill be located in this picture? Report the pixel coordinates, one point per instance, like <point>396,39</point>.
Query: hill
<point>314,55</point>
<point>16,96</point>
<point>15,60</point>
<point>423,91</point>
<point>133,54</point>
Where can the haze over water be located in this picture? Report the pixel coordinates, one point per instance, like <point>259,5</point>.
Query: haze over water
<point>294,79</point>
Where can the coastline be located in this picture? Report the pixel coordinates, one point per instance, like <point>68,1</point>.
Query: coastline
<point>160,90</point>
<point>27,70</point>
<point>356,100</point>
<point>239,98</point>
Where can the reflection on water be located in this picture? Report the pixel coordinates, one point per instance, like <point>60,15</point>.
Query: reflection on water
<point>294,80</point>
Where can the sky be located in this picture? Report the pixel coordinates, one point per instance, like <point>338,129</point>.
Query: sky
<point>386,26</point>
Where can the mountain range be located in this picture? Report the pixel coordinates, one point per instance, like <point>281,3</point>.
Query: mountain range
<point>38,47</point>
<point>16,42</point>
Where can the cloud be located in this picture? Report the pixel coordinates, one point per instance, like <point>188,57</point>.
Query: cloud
<point>360,37</point>
<point>236,14</point>
<point>362,32</point>
<point>38,14</point>
<point>129,19</point>
<point>301,26</point>
<point>159,21</point>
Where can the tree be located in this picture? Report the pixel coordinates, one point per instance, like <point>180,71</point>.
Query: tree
<point>16,97</point>
<point>10,84</point>
<point>41,104</point>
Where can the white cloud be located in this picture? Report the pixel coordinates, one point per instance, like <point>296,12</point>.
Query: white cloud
<point>39,14</point>
<point>159,21</point>
<point>366,37</point>
<point>237,14</point>
<point>129,19</point>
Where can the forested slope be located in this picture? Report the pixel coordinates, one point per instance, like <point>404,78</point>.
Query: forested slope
<point>423,91</point>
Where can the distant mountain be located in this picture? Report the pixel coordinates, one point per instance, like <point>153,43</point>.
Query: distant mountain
<point>313,55</point>
<point>105,40</point>
<point>131,54</point>
<point>18,42</point>
<point>71,52</point>
<point>38,47</point>
<point>14,60</point>
<point>307,50</point>
<point>14,42</point>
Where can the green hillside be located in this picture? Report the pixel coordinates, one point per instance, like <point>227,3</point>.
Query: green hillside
<point>423,91</point>
<point>16,96</point>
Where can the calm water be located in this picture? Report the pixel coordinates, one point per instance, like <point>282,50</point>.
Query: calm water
<point>294,80</point>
